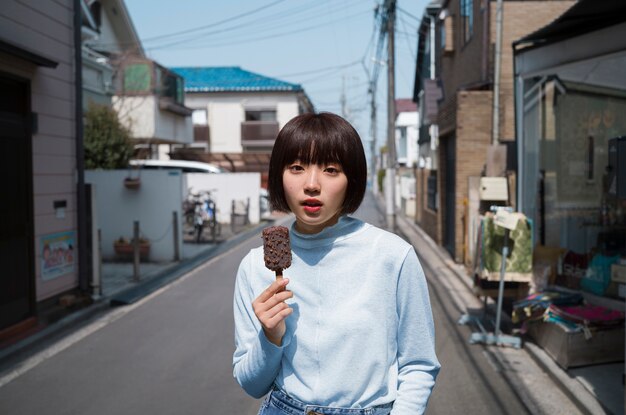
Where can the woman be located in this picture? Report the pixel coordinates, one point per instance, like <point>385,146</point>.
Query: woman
<point>349,329</point>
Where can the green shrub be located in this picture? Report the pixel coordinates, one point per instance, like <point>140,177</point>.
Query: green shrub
<point>108,144</point>
<point>381,180</point>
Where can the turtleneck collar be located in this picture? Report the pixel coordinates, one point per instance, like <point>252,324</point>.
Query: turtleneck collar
<point>345,227</point>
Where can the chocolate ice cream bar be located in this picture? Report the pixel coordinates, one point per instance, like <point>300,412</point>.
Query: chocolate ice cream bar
<point>276,249</point>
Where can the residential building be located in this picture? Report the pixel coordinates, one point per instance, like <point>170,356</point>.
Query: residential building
<point>465,45</point>
<point>237,115</point>
<point>406,132</point>
<point>40,231</point>
<point>406,154</point>
<point>427,94</point>
<point>107,33</point>
<point>148,98</point>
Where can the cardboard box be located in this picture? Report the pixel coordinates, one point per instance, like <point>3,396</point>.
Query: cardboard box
<point>571,349</point>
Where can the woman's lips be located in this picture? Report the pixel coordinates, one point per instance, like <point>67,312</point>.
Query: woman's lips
<point>312,205</point>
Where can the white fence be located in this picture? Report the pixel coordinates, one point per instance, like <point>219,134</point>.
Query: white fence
<point>226,187</point>
<point>152,204</point>
<point>160,194</point>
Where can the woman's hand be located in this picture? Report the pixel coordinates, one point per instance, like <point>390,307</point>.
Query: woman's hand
<point>271,310</point>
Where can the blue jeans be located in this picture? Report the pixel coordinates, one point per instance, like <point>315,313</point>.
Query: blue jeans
<point>278,402</point>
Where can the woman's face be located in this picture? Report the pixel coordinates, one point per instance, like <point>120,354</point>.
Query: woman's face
<point>315,194</point>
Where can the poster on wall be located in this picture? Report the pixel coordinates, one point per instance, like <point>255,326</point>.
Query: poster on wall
<point>57,255</point>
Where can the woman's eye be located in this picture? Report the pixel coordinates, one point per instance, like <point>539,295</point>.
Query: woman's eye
<point>331,170</point>
<point>295,168</point>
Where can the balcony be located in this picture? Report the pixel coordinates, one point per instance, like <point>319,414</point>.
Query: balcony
<point>258,133</point>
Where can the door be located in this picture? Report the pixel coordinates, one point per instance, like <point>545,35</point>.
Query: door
<point>16,208</point>
<point>450,195</point>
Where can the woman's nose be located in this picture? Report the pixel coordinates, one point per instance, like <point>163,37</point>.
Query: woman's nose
<point>312,183</point>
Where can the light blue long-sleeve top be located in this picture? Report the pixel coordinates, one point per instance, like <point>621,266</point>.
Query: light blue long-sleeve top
<point>361,333</point>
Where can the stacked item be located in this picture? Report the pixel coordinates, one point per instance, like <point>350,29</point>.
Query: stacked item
<point>571,331</point>
<point>584,317</point>
<point>533,308</point>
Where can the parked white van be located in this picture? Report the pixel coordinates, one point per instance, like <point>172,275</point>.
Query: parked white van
<point>184,165</point>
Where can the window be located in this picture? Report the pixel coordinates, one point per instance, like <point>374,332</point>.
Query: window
<point>467,19</point>
<point>431,201</point>
<point>447,34</point>
<point>173,87</point>
<point>260,115</point>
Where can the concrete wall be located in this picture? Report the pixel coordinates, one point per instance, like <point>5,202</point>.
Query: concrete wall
<point>46,28</point>
<point>226,187</point>
<point>159,195</point>
<point>226,112</point>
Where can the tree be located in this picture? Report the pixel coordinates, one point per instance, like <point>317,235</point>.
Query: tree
<point>108,144</point>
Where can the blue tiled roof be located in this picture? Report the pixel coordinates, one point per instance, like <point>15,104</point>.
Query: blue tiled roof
<point>231,78</point>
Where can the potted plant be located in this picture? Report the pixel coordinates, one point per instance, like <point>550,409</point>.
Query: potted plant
<point>124,248</point>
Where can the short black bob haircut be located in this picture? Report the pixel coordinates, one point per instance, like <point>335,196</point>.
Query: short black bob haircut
<point>321,139</point>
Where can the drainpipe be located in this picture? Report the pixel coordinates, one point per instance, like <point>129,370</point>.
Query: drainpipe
<point>496,76</point>
<point>83,277</point>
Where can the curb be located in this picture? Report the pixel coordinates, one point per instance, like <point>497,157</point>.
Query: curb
<point>572,388</point>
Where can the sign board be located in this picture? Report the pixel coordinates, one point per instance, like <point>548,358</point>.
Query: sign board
<point>506,219</point>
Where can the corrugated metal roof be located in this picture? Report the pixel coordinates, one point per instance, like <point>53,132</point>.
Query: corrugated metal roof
<point>230,79</point>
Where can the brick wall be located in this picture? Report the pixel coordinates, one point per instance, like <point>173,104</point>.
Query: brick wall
<point>472,141</point>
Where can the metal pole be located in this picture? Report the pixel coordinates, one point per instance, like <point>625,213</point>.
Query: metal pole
<point>505,254</point>
<point>136,252</point>
<point>391,119</point>
<point>496,75</point>
<point>175,227</point>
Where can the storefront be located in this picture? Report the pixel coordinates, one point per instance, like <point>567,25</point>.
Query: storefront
<point>571,141</point>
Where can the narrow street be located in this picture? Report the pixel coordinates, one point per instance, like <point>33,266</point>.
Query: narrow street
<point>171,354</point>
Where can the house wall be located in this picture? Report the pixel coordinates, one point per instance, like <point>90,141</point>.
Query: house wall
<point>138,113</point>
<point>170,126</point>
<point>409,120</point>
<point>226,112</point>
<point>46,28</point>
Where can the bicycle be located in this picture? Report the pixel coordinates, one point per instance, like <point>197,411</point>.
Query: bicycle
<point>204,212</point>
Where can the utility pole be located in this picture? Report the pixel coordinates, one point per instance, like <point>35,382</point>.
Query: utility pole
<point>390,176</point>
<point>372,91</point>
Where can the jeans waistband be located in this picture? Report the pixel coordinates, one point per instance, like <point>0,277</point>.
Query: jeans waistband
<point>293,406</point>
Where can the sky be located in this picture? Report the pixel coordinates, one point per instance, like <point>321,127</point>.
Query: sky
<point>327,46</point>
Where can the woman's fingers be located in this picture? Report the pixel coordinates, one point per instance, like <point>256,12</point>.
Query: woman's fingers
<point>274,287</point>
<point>276,315</point>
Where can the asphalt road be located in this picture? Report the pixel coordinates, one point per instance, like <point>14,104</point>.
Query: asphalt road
<point>171,353</point>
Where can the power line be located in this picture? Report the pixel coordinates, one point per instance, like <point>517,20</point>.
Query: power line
<point>347,65</point>
<point>230,19</point>
<point>265,23</point>
<point>408,14</point>
<point>256,39</point>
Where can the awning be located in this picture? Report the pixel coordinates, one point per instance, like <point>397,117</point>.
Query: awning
<point>28,55</point>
